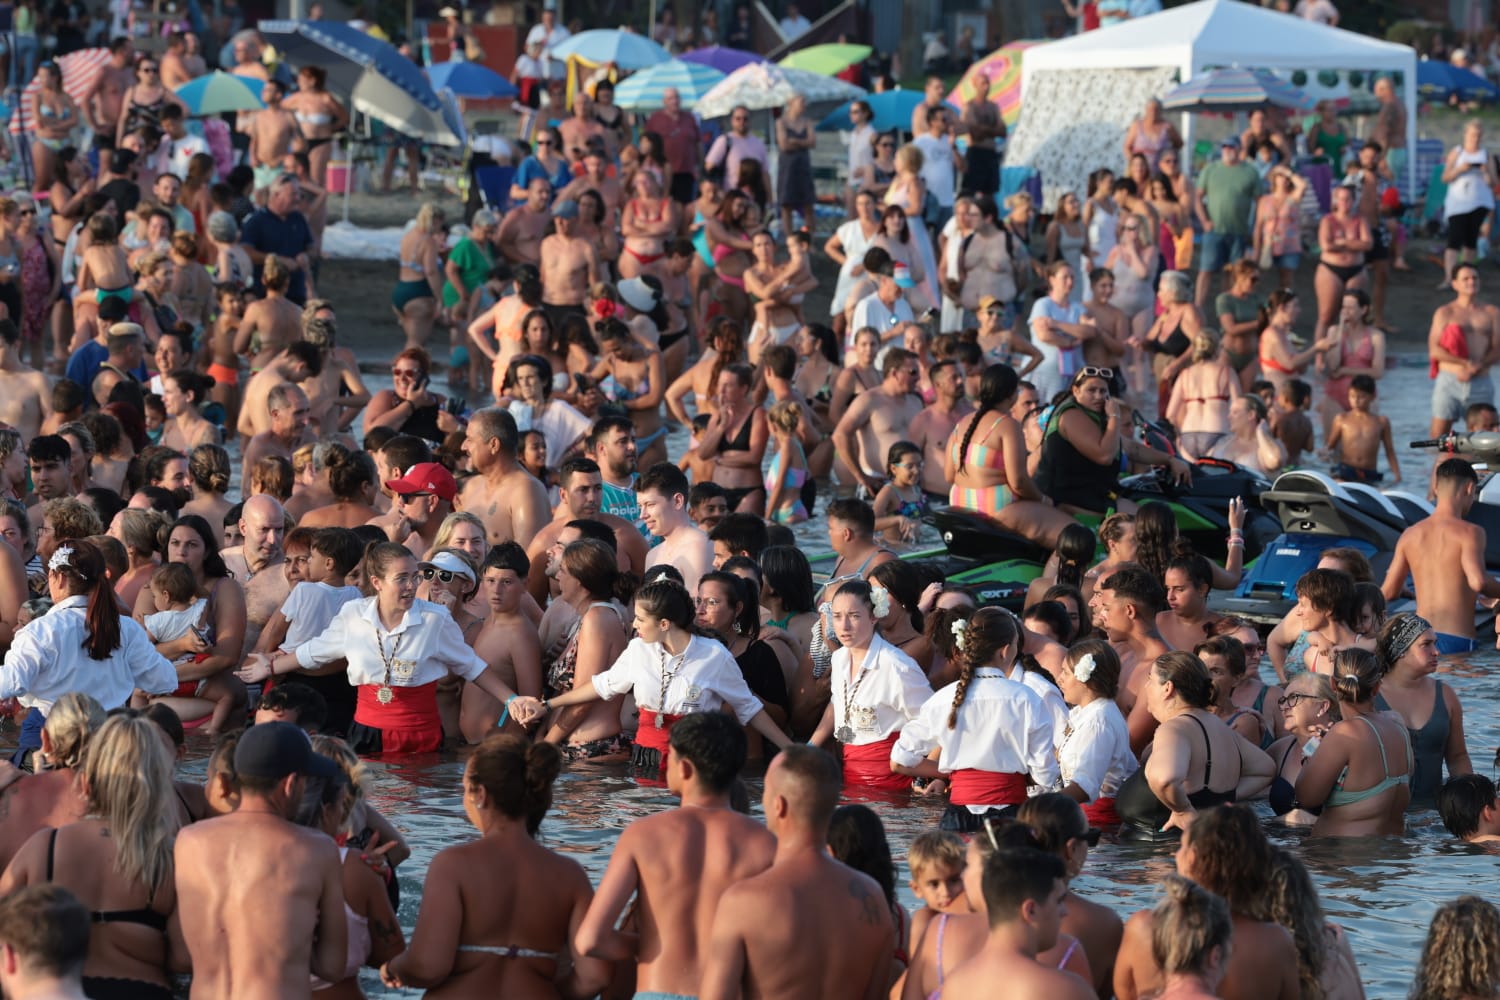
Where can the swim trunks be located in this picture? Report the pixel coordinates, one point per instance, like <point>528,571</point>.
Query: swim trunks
<point>1354,474</point>
<point>1450,644</point>
<point>1451,398</point>
<point>223,374</point>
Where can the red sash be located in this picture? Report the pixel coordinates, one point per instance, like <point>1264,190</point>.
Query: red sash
<point>869,766</point>
<point>1101,812</point>
<point>409,724</point>
<point>971,787</point>
<point>652,738</point>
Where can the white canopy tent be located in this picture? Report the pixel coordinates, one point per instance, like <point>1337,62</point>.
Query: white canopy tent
<point>1214,33</point>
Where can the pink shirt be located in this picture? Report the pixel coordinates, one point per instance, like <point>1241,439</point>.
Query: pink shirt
<point>679,135</point>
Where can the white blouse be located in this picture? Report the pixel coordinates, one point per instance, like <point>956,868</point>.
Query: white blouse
<point>1051,695</point>
<point>890,692</point>
<point>47,660</point>
<point>704,678</point>
<point>1094,752</point>
<point>1003,727</point>
<point>425,646</point>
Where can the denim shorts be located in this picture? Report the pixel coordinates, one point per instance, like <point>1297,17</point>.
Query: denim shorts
<point>1221,249</point>
<point>1287,261</point>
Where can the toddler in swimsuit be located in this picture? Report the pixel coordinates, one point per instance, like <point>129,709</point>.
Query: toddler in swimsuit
<point>176,592</point>
<point>901,504</point>
<point>787,471</point>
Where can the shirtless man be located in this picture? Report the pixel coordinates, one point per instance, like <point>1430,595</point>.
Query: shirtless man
<point>1125,607</point>
<point>582,489</point>
<point>510,501</point>
<point>337,393</point>
<point>105,102</point>
<point>880,417</point>
<point>808,926</point>
<point>1444,555</point>
<point>578,131</point>
<point>174,69</point>
<point>594,178</point>
<point>273,134</point>
<point>25,396</point>
<point>982,122</point>
<point>525,226</point>
<point>1023,891</point>
<point>257,563</point>
<point>662,492</point>
<point>932,97</point>
<point>677,888</point>
<point>274,321</point>
<point>287,429</point>
<point>508,642</point>
<point>1462,379</point>
<point>570,264</point>
<point>424,497</point>
<point>246,941</point>
<point>296,364</point>
<point>934,425</point>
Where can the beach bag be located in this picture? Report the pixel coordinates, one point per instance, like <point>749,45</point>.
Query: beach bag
<point>1267,254</point>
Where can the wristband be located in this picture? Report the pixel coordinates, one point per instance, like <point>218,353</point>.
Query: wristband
<point>505,712</point>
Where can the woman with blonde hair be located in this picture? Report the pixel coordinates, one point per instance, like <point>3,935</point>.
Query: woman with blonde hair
<point>1461,957</point>
<point>50,797</point>
<point>1133,261</point>
<point>465,532</point>
<point>417,297</point>
<point>1191,938</point>
<point>909,192</point>
<point>1199,404</point>
<point>118,861</point>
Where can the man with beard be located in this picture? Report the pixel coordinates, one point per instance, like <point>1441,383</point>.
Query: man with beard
<point>257,563</point>
<point>424,498</point>
<point>582,489</point>
<point>611,444</point>
<point>289,409</point>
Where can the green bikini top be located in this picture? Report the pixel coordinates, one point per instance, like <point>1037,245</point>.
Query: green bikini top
<point>1339,797</point>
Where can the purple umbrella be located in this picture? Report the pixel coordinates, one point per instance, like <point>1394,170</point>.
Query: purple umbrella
<point>725,60</point>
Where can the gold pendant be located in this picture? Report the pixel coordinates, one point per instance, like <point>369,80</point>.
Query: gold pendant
<point>385,695</point>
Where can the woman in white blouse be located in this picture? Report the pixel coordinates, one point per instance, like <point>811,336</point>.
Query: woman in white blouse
<point>877,689</point>
<point>397,648</point>
<point>993,734</point>
<point>1094,752</point>
<point>672,672</point>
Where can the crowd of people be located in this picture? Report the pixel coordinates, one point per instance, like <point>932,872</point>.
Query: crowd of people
<point>530,567</point>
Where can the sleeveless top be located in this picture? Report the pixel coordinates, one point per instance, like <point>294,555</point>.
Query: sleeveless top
<point>1066,474</point>
<point>359,940</point>
<point>1143,814</point>
<point>1429,747</point>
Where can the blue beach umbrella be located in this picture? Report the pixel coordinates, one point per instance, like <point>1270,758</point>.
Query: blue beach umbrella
<point>892,109</point>
<point>643,90</point>
<point>1438,80</point>
<point>219,92</point>
<point>625,49</point>
<point>470,79</point>
<point>369,75</point>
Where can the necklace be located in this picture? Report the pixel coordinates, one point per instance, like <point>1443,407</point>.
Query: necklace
<point>667,677</point>
<point>384,694</point>
<point>845,733</point>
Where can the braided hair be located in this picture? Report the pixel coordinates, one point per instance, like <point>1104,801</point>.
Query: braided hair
<point>997,387</point>
<point>990,631</point>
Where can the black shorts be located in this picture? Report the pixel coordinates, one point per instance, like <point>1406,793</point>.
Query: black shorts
<point>556,314</point>
<point>684,188</point>
<point>1463,230</point>
<point>1380,245</point>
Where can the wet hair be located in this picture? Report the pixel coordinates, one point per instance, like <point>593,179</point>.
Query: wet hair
<point>714,743</point>
<point>905,584</point>
<point>1227,648</point>
<point>596,568</point>
<point>989,631</point>
<point>208,467</point>
<point>667,599</point>
<point>933,849</point>
<point>741,533</point>
<point>1132,583</point>
<point>703,492</point>
<point>69,726</point>
<point>1454,472</point>
<point>348,471</point>
<point>1294,905</point>
<point>1156,538</point>
<point>1075,550</point>
<point>1232,858</point>
<point>1052,616</point>
<point>1331,591</point>
<point>856,836</point>
<point>517,776</point>
<point>1105,680</point>
<point>1187,675</point>
<point>1187,925</point>
<point>854,512</point>
<point>84,566</point>
<point>307,707</point>
<point>1461,802</point>
<point>1356,675</point>
<point>1015,875</point>
<point>1461,956</point>
<point>1054,819</point>
<point>787,572</point>
<point>507,555</point>
<point>1057,594</point>
<point>48,928</point>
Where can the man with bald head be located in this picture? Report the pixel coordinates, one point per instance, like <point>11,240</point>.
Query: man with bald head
<point>808,926</point>
<point>682,144</point>
<point>258,564</point>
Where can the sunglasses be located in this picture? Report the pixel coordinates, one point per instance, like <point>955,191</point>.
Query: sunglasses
<point>443,575</point>
<point>544,142</point>
<point>409,497</point>
<point>1091,372</point>
<point>28,211</point>
<point>406,373</point>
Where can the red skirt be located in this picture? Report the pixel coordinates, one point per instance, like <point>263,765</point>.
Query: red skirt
<point>868,765</point>
<point>970,787</point>
<point>1101,812</point>
<point>409,724</point>
<point>649,737</point>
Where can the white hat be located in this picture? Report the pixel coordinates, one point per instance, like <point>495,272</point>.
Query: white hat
<point>638,295</point>
<point>450,563</point>
<point>448,12</point>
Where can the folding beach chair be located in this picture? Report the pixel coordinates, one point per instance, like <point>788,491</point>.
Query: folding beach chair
<point>494,186</point>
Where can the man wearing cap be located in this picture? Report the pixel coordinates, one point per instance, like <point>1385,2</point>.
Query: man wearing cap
<point>1223,201</point>
<point>424,497</point>
<point>887,308</point>
<point>582,488</point>
<point>570,265</point>
<point>525,226</point>
<point>256,564</point>
<point>510,501</point>
<point>260,898</point>
<point>681,141</point>
<point>880,417</point>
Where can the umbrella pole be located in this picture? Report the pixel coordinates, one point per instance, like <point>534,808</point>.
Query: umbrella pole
<point>348,174</point>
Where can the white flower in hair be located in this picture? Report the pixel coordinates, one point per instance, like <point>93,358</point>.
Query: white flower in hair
<point>1084,668</point>
<point>60,558</point>
<point>880,598</point>
<point>959,628</point>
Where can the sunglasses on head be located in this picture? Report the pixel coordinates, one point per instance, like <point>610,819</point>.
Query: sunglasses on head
<point>1091,372</point>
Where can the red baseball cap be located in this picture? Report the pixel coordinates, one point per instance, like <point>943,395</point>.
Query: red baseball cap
<point>428,477</point>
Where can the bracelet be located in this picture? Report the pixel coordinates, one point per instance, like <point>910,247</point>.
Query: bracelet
<point>505,712</point>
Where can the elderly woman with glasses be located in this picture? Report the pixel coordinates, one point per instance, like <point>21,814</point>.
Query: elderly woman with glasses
<point>470,262</point>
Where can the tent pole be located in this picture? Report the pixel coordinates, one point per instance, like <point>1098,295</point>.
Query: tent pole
<point>348,174</point>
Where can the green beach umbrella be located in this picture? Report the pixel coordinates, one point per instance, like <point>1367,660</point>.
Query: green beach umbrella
<point>826,60</point>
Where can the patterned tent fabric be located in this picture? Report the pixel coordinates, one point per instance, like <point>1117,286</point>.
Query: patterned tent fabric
<point>80,71</point>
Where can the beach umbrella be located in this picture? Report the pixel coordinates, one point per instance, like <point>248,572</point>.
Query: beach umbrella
<point>765,86</point>
<point>643,90</point>
<point>625,49</point>
<point>80,71</point>
<point>219,92</point>
<point>470,79</point>
<point>1440,81</point>
<point>369,75</point>
<point>828,60</point>
<point>725,60</point>
<point>1003,69</point>
<point>1234,90</point>
<point>892,110</point>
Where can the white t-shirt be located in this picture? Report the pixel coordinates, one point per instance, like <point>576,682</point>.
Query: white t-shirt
<point>873,312</point>
<point>183,150</point>
<point>309,609</point>
<point>938,172</point>
<point>1322,11</point>
<point>549,40</point>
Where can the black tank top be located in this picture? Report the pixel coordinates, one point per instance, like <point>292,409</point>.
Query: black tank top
<point>1066,474</point>
<point>1142,814</point>
<point>423,424</point>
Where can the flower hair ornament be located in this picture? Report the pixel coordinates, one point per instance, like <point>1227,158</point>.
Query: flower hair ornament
<point>959,628</point>
<point>604,309</point>
<point>1084,668</point>
<point>880,600</point>
<point>59,560</point>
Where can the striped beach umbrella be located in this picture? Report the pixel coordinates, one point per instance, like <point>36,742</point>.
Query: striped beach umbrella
<point>1233,90</point>
<point>642,91</point>
<point>219,92</point>
<point>1002,68</point>
<point>80,71</point>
